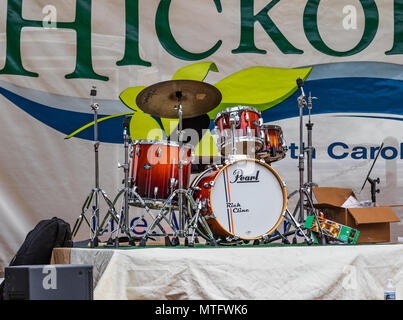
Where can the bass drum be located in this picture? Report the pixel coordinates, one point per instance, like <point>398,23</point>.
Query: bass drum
<point>245,200</point>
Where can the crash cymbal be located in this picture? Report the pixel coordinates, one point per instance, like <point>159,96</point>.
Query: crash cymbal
<point>161,99</point>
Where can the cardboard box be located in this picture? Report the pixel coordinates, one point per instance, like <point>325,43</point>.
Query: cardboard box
<point>372,222</point>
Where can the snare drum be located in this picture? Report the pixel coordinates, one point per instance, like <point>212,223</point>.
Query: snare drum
<point>243,200</point>
<point>274,147</point>
<point>155,171</point>
<point>240,124</point>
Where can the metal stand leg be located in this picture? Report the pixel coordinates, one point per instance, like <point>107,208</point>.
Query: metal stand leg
<point>298,227</point>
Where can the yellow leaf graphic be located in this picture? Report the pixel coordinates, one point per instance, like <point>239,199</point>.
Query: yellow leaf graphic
<point>258,87</point>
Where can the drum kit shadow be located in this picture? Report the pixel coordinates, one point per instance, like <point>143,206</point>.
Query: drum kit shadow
<point>237,200</point>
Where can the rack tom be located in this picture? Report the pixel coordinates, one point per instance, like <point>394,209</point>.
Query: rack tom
<point>274,146</point>
<point>239,130</point>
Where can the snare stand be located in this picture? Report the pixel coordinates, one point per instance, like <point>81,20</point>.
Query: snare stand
<point>123,219</point>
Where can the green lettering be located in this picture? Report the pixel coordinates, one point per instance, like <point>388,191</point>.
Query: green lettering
<point>82,26</point>
<point>312,32</point>
<point>248,19</point>
<point>132,55</point>
<point>398,35</point>
<point>168,41</point>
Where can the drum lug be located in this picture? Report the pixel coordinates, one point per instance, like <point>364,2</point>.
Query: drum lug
<point>207,185</point>
<point>246,116</point>
<point>159,152</point>
<point>283,184</point>
<point>137,150</point>
<point>262,161</point>
<point>131,152</point>
<point>173,182</point>
<point>155,192</point>
<point>234,118</point>
<point>210,216</point>
<point>248,131</point>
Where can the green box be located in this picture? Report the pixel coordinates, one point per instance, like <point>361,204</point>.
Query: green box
<point>332,229</point>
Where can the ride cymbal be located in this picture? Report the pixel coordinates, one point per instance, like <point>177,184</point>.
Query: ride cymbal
<point>162,99</point>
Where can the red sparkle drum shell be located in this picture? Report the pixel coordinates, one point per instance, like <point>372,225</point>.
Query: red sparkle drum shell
<point>247,130</point>
<point>155,170</point>
<point>274,148</point>
<point>236,210</point>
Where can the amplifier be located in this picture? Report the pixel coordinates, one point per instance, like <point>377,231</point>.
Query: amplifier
<point>49,282</point>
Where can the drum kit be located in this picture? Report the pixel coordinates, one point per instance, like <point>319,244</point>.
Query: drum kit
<point>237,200</point>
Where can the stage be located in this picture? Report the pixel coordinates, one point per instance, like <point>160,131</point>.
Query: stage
<point>247,272</point>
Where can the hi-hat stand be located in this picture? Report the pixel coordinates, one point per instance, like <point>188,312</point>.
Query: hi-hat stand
<point>94,196</point>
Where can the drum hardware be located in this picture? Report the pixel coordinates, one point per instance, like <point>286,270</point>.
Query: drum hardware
<point>190,225</point>
<point>305,189</point>
<point>374,190</point>
<point>94,196</point>
<point>180,99</point>
<point>123,217</point>
<point>373,182</point>
<point>181,218</point>
<point>309,149</point>
<point>234,122</point>
<point>277,235</point>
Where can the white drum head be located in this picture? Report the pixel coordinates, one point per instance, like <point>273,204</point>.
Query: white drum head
<point>248,199</point>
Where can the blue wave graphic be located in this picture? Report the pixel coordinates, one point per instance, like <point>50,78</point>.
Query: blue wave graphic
<point>344,95</point>
<point>339,95</point>
<point>66,121</point>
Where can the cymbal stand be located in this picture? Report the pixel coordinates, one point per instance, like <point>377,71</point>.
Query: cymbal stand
<point>164,211</point>
<point>183,230</point>
<point>309,150</point>
<point>305,189</point>
<point>180,166</point>
<point>94,196</point>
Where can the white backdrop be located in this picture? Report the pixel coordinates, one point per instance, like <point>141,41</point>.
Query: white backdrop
<point>43,175</point>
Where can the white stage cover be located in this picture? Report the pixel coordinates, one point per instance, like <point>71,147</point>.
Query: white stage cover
<point>331,272</point>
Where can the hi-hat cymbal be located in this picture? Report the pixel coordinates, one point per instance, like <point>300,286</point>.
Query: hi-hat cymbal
<point>161,99</point>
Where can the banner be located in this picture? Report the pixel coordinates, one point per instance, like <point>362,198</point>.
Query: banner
<point>53,53</point>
